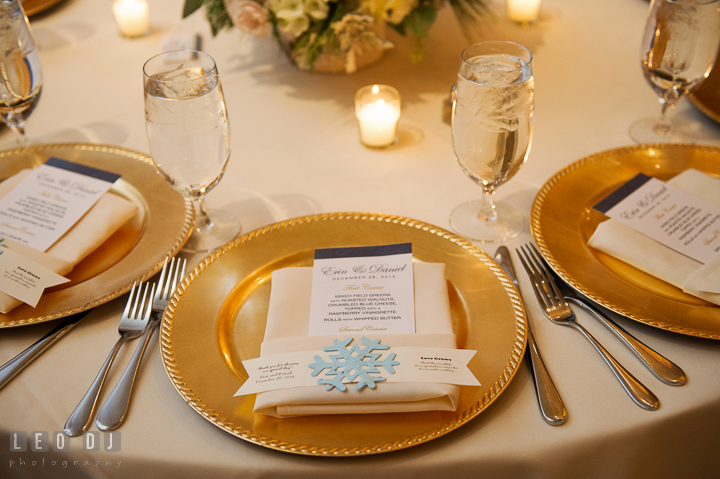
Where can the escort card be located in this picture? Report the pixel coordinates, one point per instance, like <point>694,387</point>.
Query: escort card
<point>671,216</point>
<point>42,207</point>
<point>24,279</point>
<point>413,365</point>
<point>363,289</point>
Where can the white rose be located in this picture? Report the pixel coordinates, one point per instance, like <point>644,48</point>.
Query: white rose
<point>317,9</point>
<point>293,21</point>
<point>248,16</point>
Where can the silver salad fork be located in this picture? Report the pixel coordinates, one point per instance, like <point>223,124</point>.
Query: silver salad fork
<point>132,323</point>
<point>558,311</point>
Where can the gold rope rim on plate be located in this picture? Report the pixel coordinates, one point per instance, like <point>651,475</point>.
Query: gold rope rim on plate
<point>538,233</point>
<point>148,271</point>
<point>461,418</point>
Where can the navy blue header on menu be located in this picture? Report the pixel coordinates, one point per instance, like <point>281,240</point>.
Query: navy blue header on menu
<point>363,251</point>
<point>82,169</point>
<point>621,193</point>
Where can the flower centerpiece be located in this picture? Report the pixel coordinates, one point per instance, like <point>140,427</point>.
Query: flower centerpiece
<point>344,32</point>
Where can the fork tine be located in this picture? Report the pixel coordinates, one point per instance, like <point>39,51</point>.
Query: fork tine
<point>147,304</point>
<point>128,305</point>
<point>163,273</point>
<point>136,303</point>
<point>179,274</point>
<point>558,296</point>
<point>541,274</point>
<point>139,306</point>
<point>534,281</point>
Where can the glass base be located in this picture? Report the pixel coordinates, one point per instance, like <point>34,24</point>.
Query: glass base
<point>221,228</point>
<point>508,222</point>
<point>644,131</point>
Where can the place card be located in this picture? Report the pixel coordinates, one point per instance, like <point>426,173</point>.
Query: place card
<point>363,289</point>
<point>42,207</point>
<point>669,215</point>
<point>24,279</point>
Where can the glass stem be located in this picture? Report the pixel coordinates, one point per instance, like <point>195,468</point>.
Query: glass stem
<point>20,138</point>
<point>487,210</point>
<point>17,125</point>
<point>202,220</point>
<point>670,98</point>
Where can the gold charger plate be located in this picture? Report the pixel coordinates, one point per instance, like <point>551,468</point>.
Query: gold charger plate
<point>32,7</point>
<point>562,221</point>
<point>135,252</point>
<point>217,319</point>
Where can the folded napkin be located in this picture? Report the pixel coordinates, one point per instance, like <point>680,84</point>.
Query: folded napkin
<point>108,214</point>
<point>286,331</point>
<point>663,262</point>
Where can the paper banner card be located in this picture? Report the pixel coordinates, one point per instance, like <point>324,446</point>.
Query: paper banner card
<point>669,215</point>
<point>362,289</point>
<point>42,207</point>
<point>402,365</point>
<point>24,279</point>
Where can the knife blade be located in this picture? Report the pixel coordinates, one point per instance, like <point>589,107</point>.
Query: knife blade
<point>13,367</point>
<point>551,405</point>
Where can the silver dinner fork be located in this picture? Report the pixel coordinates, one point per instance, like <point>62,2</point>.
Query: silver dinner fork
<point>558,311</point>
<point>113,413</point>
<point>132,323</point>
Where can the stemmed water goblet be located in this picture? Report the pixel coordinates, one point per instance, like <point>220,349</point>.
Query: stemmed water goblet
<point>187,128</point>
<point>492,121</point>
<point>20,76</point>
<point>679,47</point>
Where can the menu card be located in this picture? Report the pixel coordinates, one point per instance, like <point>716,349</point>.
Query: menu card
<point>669,215</point>
<point>362,289</point>
<point>42,207</point>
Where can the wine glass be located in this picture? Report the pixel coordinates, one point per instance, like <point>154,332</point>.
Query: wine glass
<point>187,128</point>
<point>492,120</point>
<point>20,77</point>
<point>679,47</point>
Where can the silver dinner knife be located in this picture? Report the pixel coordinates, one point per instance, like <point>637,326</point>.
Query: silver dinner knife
<point>551,405</point>
<point>13,367</point>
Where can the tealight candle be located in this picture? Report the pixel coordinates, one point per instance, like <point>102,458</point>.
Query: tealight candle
<point>132,17</point>
<point>523,11</point>
<point>377,108</point>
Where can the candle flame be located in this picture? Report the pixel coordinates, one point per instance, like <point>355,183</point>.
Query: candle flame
<point>375,89</point>
<point>381,105</point>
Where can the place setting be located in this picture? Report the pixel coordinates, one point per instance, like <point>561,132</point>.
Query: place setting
<point>360,333</point>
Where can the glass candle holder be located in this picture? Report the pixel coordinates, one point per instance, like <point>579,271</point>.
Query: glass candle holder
<point>132,17</point>
<point>523,11</point>
<point>377,108</point>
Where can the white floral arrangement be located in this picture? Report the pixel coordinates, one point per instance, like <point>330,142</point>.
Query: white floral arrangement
<point>307,29</point>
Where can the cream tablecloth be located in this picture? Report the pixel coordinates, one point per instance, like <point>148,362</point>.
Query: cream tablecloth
<point>296,152</point>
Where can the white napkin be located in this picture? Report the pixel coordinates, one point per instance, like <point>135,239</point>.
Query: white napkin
<point>663,262</point>
<point>286,331</point>
<point>108,214</point>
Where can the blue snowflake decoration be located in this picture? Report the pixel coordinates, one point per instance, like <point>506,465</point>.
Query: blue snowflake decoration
<point>2,244</point>
<point>353,362</point>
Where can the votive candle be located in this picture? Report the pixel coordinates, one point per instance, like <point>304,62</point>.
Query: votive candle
<point>523,11</point>
<point>132,17</point>
<point>377,108</point>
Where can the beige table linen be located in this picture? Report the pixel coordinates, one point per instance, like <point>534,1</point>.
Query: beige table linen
<point>663,262</point>
<point>286,331</point>
<point>296,152</point>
